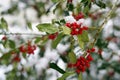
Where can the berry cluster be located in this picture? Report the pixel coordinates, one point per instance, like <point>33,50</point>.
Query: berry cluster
<point>91,50</point>
<point>81,64</point>
<point>27,49</point>
<point>78,16</point>
<point>76,28</point>
<point>53,36</point>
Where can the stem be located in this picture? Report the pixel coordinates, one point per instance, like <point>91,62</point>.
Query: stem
<point>71,43</point>
<point>102,25</point>
<point>39,34</point>
<point>91,45</point>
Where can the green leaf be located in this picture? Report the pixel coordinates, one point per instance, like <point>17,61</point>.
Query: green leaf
<point>54,1</point>
<point>64,58</point>
<point>5,43</point>
<point>101,43</point>
<point>62,21</point>
<point>57,40</point>
<point>9,44</point>
<point>86,10</point>
<point>80,76</point>
<point>56,67</point>
<point>6,56</point>
<point>72,57</point>
<point>42,51</point>
<point>37,39</point>
<point>65,75</point>
<point>80,42</point>
<point>5,59</point>
<point>66,30</point>
<point>43,41</point>
<point>29,25</point>
<point>12,44</point>
<point>115,65</point>
<point>104,65</point>
<point>46,27</point>
<point>4,24</point>
<point>24,55</point>
<point>101,4</point>
<point>84,36</point>
<point>70,7</point>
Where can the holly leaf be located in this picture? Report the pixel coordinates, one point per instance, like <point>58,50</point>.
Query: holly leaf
<point>70,7</point>
<point>12,44</point>
<point>48,28</point>
<point>29,25</point>
<point>80,42</point>
<point>65,75</point>
<point>101,4</point>
<point>37,39</point>
<point>66,30</point>
<point>56,67</point>
<point>86,9</point>
<point>104,65</point>
<point>84,36</point>
<point>4,24</point>
<point>5,59</point>
<point>72,57</point>
<point>57,40</point>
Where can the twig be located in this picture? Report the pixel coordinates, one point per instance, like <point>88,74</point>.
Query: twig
<point>39,34</point>
<point>102,25</point>
<point>91,45</point>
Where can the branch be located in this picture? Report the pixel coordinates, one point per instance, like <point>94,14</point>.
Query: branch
<point>102,26</point>
<point>10,33</point>
<point>104,22</point>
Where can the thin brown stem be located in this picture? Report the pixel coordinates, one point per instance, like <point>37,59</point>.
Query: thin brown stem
<point>91,45</point>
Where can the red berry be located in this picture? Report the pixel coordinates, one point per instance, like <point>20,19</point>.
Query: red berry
<point>83,69</point>
<point>89,58</point>
<point>88,51</point>
<point>68,25</point>
<point>78,71</point>
<point>22,49</point>
<point>30,49</point>
<point>53,36</point>
<point>70,65</point>
<point>92,50</point>
<point>80,31</point>
<point>79,16</point>
<point>4,38</point>
<point>74,25</point>
<point>16,58</point>
<point>81,64</point>
<point>85,28</point>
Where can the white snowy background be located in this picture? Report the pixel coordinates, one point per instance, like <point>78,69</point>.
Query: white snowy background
<point>42,63</point>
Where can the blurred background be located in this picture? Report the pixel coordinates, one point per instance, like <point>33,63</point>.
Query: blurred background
<point>22,16</point>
